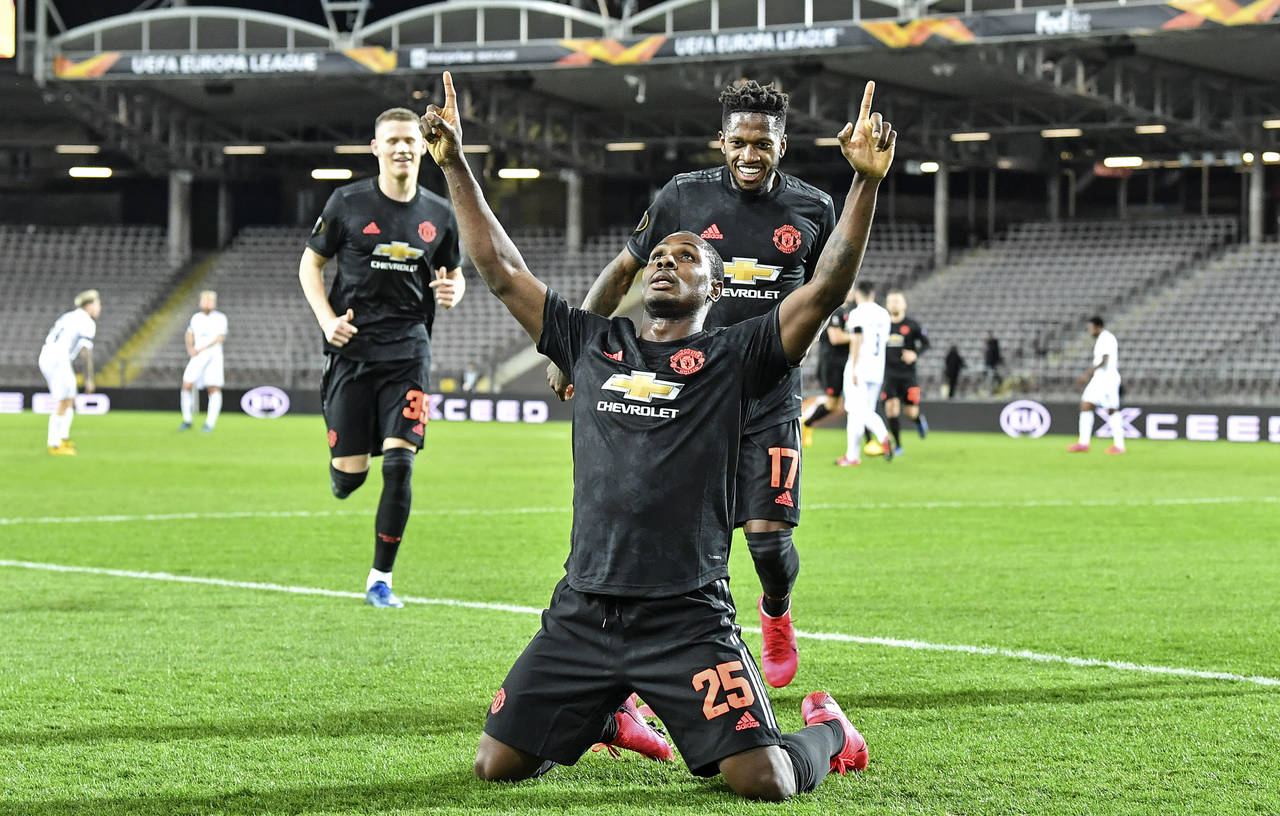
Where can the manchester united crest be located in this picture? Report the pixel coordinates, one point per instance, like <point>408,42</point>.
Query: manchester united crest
<point>687,361</point>
<point>427,231</point>
<point>787,238</point>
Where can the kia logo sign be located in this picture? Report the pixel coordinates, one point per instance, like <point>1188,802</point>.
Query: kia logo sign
<point>265,402</point>
<point>1025,418</point>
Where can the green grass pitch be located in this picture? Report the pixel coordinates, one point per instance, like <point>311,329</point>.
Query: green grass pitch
<point>121,695</point>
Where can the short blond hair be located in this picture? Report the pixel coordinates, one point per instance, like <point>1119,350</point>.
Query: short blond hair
<point>395,115</point>
<point>209,292</point>
<point>86,297</point>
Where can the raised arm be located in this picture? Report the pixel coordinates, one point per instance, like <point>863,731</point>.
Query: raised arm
<point>868,147</point>
<point>496,258</point>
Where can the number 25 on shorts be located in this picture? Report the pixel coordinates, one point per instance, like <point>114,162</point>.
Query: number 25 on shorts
<point>738,692</point>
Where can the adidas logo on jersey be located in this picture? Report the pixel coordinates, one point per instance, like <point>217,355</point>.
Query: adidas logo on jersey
<point>371,229</point>
<point>746,721</point>
<point>785,499</point>
<point>712,232</point>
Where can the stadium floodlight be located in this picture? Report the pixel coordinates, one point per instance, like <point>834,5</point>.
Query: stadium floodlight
<point>352,149</point>
<point>1271,124</point>
<point>1061,133</point>
<point>1271,157</point>
<point>714,144</point>
<point>929,167</point>
<point>1122,161</point>
<point>331,174</point>
<point>1246,157</point>
<point>976,136</point>
<point>519,173</point>
<point>826,141</point>
<point>244,150</point>
<point>78,150</point>
<point>89,172</point>
<point>624,147</point>
<point>476,148</point>
<point>1150,130</point>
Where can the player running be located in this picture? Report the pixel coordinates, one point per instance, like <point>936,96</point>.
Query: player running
<point>868,329</point>
<point>833,352</point>
<point>390,236</point>
<point>1102,390</point>
<point>907,341</point>
<point>769,228</point>
<point>72,335</point>
<point>645,603</point>
<point>205,335</point>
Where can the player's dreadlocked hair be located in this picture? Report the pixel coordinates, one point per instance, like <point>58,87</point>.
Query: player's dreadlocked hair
<point>752,97</point>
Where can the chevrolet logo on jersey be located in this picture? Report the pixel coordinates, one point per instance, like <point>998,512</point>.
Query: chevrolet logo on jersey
<point>398,251</point>
<point>747,270</point>
<point>642,386</point>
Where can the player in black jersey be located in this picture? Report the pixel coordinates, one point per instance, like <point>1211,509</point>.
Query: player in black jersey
<point>769,228</point>
<point>658,426</point>
<point>833,353</point>
<point>396,242</point>
<point>907,341</point>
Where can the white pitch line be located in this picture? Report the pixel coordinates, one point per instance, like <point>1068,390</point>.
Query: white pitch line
<point>897,643</point>
<point>522,511</point>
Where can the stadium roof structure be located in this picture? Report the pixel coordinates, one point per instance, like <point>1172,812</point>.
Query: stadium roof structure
<point>974,83</point>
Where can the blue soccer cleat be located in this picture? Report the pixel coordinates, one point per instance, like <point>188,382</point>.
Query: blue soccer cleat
<point>207,429</point>
<point>186,426</point>
<point>922,426</point>
<point>897,450</point>
<point>380,595</point>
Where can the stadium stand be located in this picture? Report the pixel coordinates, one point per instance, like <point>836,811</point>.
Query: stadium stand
<point>1210,336</point>
<point>1047,278</point>
<point>41,270</point>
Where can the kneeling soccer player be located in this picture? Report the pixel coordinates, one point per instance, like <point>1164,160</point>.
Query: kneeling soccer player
<point>645,603</point>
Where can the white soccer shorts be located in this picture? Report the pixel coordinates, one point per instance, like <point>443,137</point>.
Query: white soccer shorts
<point>1103,391</point>
<point>58,373</point>
<point>204,371</point>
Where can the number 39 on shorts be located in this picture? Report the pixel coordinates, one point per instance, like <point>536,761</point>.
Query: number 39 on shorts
<point>724,677</point>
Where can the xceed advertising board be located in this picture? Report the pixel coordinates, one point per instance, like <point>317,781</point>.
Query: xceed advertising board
<point>1205,424</point>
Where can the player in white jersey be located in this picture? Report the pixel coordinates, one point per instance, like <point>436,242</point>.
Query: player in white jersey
<point>1101,390</point>
<point>205,335</point>
<point>868,330</point>
<point>71,335</point>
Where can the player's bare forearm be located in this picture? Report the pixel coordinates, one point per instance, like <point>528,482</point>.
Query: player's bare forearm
<point>804,311</point>
<point>311,276</point>
<point>611,285</point>
<point>492,251</point>
<point>838,337</point>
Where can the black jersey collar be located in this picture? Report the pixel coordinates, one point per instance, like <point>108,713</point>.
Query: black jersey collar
<point>773,192</point>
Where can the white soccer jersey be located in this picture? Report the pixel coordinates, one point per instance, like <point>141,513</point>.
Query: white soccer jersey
<point>205,328</point>
<point>1106,346</point>
<point>70,333</point>
<point>873,322</point>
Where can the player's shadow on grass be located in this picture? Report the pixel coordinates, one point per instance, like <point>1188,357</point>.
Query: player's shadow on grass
<point>453,791</point>
<point>1154,689</point>
<point>435,720</point>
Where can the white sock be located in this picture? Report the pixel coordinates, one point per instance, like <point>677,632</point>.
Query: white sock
<point>65,430</point>
<point>54,437</point>
<point>853,425</point>
<point>1117,429</point>
<point>215,408</point>
<point>1086,427</point>
<point>878,429</point>
<point>375,576</point>
<point>186,398</point>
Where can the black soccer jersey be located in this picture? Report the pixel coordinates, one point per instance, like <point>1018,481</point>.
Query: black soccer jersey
<point>904,334</point>
<point>657,428</point>
<point>827,351</point>
<point>770,243</point>
<point>387,254</point>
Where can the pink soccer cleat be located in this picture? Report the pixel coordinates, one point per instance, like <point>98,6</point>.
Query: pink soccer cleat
<point>1115,450</point>
<point>845,461</point>
<point>819,707</point>
<point>780,656</point>
<point>634,734</point>
<point>1076,447</point>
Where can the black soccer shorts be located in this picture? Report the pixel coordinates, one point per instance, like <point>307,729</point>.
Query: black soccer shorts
<point>683,655</point>
<point>901,387</point>
<point>769,475</point>
<point>367,401</point>
<point>831,376</point>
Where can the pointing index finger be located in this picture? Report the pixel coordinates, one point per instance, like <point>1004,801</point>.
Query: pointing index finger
<point>450,97</point>
<point>865,112</point>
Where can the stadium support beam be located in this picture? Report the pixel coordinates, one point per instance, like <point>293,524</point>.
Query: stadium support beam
<point>941,214</point>
<point>179,217</point>
<point>1257,183</point>
<point>1053,189</point>
<point>224,215</point>
<point>573,208</point>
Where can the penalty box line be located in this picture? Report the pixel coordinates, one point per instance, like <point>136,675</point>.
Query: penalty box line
<point>896,643</point>
<point>1029,504</point>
